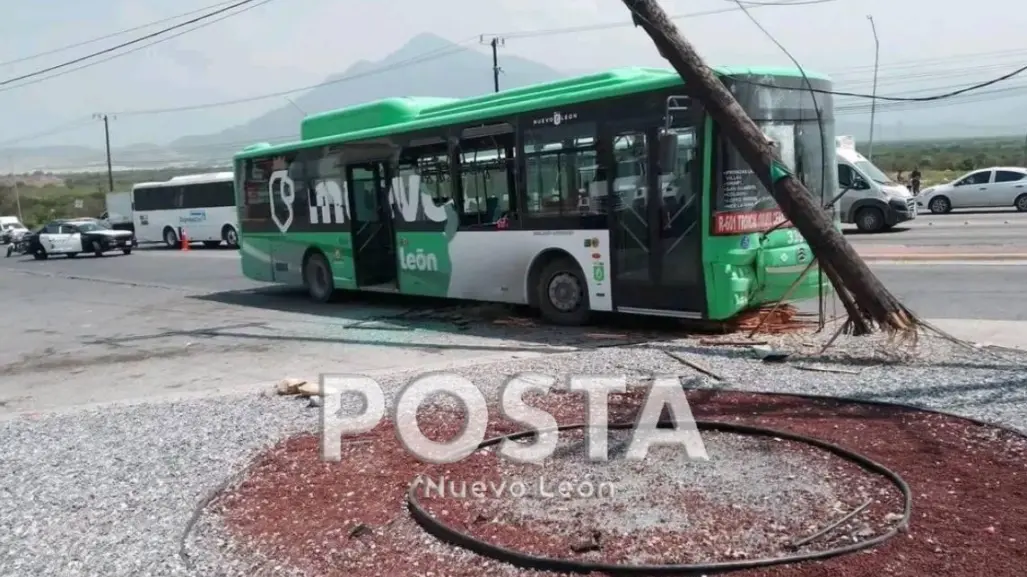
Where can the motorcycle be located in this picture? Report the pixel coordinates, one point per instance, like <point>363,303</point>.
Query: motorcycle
<point>19,244</point>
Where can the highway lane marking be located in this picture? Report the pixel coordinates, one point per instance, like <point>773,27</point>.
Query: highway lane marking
<point>961,263</point>
<point>191,253</point>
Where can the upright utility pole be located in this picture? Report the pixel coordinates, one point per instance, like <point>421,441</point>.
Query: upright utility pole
<point>495,43</point>
<point>873,101</point>
<point>17,193</point>
<point>107,143</point>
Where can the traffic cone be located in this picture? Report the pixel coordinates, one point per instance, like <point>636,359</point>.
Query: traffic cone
<point>185,241</point>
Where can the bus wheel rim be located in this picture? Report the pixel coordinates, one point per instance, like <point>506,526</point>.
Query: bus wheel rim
<point>565,292</point>
<point>319,280</point>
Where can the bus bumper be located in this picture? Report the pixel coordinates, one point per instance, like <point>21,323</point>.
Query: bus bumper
<point>747,273</point>
<point>778,270</point>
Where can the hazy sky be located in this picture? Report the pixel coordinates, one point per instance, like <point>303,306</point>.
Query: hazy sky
<point>292,43</point>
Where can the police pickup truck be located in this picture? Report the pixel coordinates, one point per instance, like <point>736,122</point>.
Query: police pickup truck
<point>75,236</point>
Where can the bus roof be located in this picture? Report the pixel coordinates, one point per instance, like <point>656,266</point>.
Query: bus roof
<point>189,179</point>
<point>393,115</point>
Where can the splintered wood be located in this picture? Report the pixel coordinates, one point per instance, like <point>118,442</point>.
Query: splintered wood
<point>785,319</point>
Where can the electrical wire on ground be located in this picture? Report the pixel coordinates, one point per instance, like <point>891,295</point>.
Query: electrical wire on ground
<point>134,41</point>
<point>456,537</point>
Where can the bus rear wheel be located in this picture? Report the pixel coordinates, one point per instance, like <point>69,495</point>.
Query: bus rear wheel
<point>230,236</point>
<point>170,238</point>
<point>317,276</point>
<point>563,293</point>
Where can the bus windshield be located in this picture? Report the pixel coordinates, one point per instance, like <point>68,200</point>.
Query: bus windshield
<point>788,118</point>
<point>872,172</point>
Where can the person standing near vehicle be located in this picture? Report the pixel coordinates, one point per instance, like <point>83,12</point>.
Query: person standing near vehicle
<point>914,180</point>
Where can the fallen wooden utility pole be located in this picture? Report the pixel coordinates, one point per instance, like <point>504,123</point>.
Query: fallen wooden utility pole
<point>866,300</point>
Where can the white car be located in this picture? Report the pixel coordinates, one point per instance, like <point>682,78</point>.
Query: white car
<point>995,187</point>
<point>76,236</point>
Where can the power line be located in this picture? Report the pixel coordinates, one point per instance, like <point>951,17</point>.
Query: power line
<point>622,24</point>
<point>428,56</point>
<point>942,96</point>
<point>60,129</point>
<point>444,52</point>
<point>125,44</point>
<point>138,48</point>
<point>983,96</point>
<point>109,36</point>
<point>440,53</point>
<point>919,62</point>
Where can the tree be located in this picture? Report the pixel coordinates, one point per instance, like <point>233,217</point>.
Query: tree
<point>866,300</point>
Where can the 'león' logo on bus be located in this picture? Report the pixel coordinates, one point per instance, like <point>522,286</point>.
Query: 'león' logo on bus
<point>418,260</point>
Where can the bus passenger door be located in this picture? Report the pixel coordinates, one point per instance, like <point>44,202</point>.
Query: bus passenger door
<point>655,228</point>
<point>373,241</point>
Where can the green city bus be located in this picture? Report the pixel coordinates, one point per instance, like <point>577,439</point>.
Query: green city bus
<point>608,192</point>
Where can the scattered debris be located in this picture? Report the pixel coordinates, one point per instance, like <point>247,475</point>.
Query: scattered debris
<point>769,355</point>
<point>588,544</point>
<point>826,370</point>
<point>289,386</point>
<point>831,527</point>
<point>702,369</point>
<point>719,343</point>
<point>359,531</point>
<point>768,320</point>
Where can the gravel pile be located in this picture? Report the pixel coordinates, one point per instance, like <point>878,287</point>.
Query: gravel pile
<point>110,492</point>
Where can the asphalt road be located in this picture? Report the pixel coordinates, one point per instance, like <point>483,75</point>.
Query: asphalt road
<point>957,230</point>
<point>935,290</point>
<point>953,291</point>
<point>168,323</point>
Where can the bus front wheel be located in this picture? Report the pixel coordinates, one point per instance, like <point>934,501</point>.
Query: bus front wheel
<point>563,293</point>
<point>317,276</point>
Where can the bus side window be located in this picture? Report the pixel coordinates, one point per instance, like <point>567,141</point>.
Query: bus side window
<point>484,180</point>
<point>432,164</point>
<point>257,193</point>
<point>559,162</point>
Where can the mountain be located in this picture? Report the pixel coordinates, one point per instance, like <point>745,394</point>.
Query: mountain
<point>427,65</point>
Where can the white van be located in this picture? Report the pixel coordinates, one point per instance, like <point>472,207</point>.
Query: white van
<point>874,202</point>
<point>200,205</point>
<point>119,211</point>
<point>10,229</point>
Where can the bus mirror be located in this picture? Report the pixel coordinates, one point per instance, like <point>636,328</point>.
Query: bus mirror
<point>676,104</point>
<point>668,151</point>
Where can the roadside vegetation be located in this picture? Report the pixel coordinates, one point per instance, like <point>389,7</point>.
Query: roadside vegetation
<point>45,197</point>
<point>944,161</point>
<point>48,196</point>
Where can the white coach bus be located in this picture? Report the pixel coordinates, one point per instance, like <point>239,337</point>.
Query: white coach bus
<point>200,205</point>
